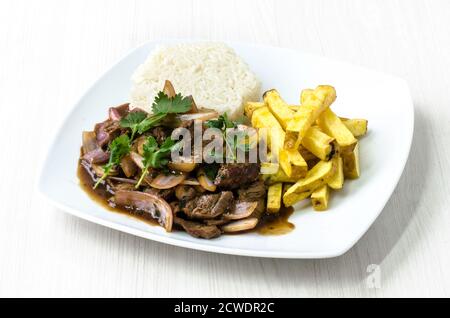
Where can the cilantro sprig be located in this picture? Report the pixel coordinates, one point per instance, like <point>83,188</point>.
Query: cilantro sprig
<point>133,121</point>
<point>231,140</point>
<point>140,122</point>
<point>163,105</point>
<point>118,148</point>
<point>155,156</point>
<point>222,123</point>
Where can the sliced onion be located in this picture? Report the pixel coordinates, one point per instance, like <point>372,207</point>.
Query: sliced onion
<point>157,207</point>
<point>205,182</point>
<point>96,156</point>
<point>182,166</point>
<point>241,210</point>
<point>140,144</point>
<point>118,112</point>
<point>168,89</point>
<point>205,115</point>
<point>163,181</point>
<point>89,141</point>
<point>99,171</point>
<point>137,159</point>
<point>123,180</point>
<point>194,108</point>
<point>200,189</point>
<point>191,182</point>
<point>240,225</point>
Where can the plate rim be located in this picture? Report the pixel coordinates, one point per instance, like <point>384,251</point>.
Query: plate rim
<point>198,245</point>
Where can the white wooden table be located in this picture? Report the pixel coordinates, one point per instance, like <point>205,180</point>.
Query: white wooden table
<point>51,51</point>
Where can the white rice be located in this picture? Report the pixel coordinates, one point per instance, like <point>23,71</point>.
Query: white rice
<point>211,72</point>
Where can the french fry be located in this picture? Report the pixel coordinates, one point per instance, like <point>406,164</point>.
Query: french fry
<point>358,127</point>
<point>286,187</point>
<point>351,163</point>
<point>318,143</point>
<point>306,154</point>
<point>268,168</point>
<point>278,107</point>
<point>279,176</point>
<point>250,107</point>
<point>315,178</point>
<point>336,182</point>
<point>274,197</point>
<point>293,163</point>
<point>290,161</point>
<point>333,126</point>
<point>299,166</point>
<point>320,197</point>
<point>263,118</point>
<point>313,104</point>
<point>284,162</point>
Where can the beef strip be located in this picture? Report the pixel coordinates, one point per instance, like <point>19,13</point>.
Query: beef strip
<point>197,229</point>
<point>224,204</point>
<point>234,175</point>
<point>252,192</point>
<point>255,192</point>
<point>209,206</point>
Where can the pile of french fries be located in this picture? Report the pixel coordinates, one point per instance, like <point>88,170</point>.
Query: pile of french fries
<point>316,150</point>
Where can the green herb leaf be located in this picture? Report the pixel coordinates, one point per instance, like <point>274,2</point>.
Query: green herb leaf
<point>154,156</point>
<point>222,123</point>
<point>139,122</point>
<point>231,141</point>
<point>166,105</point>
<point>118,148</point>
<point>149,122</point>
<point>133,121</point>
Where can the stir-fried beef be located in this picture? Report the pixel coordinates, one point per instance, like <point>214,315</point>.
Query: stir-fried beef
<point>234,175</point>
<point>152,185</point>
<point>255,192</point>
<point>252,192</point>
<point>224,204</point>
<point>185,192</point>
<point>198,229</point>
<point>209,206</point>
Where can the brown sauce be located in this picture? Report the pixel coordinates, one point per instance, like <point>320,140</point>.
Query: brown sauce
<point>101,195</point>
<point>277,224</point>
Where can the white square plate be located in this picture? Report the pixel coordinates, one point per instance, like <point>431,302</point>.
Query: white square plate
<point>384,100</point>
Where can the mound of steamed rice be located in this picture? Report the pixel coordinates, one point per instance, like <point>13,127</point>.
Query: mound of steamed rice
<point>211,72</point>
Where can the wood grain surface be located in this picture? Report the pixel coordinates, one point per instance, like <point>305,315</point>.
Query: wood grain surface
<point>51,51</point>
